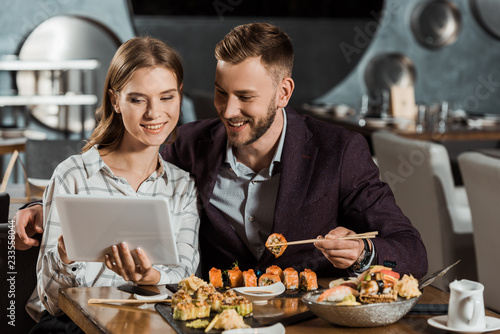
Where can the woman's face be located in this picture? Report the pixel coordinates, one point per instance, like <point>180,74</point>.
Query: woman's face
<point>150,106</point>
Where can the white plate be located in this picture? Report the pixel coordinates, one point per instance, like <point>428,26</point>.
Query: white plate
<point>261,294</point>
<point>492,324</point>
<point>274,329</point>
<point>154,297</point>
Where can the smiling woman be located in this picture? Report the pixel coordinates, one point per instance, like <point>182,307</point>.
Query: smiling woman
<point>140,109</point>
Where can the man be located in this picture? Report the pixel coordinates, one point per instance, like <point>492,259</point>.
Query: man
<point>262,168</point>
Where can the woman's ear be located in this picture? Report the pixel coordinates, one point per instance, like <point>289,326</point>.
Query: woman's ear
<point>113,97</point>
<point>285,90</point>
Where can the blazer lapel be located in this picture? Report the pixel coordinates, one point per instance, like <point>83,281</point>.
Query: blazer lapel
<point>298,158</point>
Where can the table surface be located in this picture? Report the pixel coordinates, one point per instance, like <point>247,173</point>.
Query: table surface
<point>102,318</point>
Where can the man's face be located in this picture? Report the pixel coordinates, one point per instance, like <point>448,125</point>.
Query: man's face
<point>245,99</point>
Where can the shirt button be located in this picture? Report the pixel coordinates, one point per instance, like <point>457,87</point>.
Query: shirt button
<point>74,268</point>
<point>251,218</point>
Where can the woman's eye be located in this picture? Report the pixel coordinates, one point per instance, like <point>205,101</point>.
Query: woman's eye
<point>136,100</point>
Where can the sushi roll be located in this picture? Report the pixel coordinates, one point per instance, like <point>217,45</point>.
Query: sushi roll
<point>242,305</point>
<point>275,270</point>
<point>308,280</point>
<point>230,294</point>
<point>215,276</point>
<point>268,279</point>
<point>180,296</point>
<point>189,310</point>
<point>214,300</point>
<point>203,292</point>
<point>249,278</point>
<point>291,278</point>
<point>340,295</point>
<point>235,277</point>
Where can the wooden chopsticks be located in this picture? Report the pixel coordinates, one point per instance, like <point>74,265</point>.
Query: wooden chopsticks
<point>127,301</point>
<point>366,235</point>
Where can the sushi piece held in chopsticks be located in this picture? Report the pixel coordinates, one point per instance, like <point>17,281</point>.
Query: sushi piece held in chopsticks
<point>268,279</point>
<point>308,280</point>
<point>249,278</point>
<point>276,238</point>
<point>291,278</point>
<point>215,276</point>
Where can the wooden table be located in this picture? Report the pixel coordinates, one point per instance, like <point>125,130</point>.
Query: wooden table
<point>102,318</point>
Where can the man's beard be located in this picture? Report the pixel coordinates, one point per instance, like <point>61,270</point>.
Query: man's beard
<point>260,128</point>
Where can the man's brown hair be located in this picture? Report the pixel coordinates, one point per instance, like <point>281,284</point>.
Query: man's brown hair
<point>258,40</point>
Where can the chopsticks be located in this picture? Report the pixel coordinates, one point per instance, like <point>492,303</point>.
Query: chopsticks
<point>127,301</point>
<point>366,235</point>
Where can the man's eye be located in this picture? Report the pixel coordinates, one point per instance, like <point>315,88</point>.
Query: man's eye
<point>133,100</point>
<point>245,98</point>
<point>221,92</point>
<point>166,98</point>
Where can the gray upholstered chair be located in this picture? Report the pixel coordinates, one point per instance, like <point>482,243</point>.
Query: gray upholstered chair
<point>481,176</point>
<point>420,177</point>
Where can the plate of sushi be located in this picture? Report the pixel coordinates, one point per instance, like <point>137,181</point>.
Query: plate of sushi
<point>377,297</point>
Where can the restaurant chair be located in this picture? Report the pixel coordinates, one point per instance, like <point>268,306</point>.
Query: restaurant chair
<point>481,176</point>
<point>22,276</point>
<point>420,177</point>
<point>43,156</point>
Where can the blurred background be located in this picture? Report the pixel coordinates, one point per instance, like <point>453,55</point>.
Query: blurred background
<point>348,55</point>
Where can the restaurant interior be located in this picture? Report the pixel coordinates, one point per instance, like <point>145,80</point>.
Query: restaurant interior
<point>419,79</point>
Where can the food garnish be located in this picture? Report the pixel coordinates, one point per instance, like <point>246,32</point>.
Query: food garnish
<point>198,324</point>
<point>191,284</point>
<point>227,319</point>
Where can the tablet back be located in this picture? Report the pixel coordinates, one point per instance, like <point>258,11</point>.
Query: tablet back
<point>92,224</point>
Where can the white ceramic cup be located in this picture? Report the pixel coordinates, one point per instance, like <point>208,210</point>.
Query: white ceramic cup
<point>466,306</point>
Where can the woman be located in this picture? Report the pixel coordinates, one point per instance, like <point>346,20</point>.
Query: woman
<point>140,110</point>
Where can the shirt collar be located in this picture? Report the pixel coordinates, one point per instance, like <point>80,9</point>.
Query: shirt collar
<point>231,159</point>
<point>93,164</point>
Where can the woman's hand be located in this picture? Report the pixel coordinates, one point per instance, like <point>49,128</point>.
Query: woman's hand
<point>61,248</point>
<point>122,262</point>
<point>341,253</point>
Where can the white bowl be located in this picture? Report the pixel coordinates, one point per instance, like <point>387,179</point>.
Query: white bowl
<point>261,294</point>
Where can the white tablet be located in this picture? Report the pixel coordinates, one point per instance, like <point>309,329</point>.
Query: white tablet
<point>92,224</point>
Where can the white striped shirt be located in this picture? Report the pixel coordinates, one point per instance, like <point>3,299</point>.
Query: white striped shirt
<point>87,174</point>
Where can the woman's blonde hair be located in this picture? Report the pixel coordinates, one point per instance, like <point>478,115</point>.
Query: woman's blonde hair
<point>134,54</point>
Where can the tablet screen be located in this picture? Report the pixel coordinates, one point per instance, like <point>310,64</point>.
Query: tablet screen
<point>92,224</point>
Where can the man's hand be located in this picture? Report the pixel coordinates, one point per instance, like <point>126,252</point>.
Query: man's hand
<point>123,263</point>
<point>28,222</point>
<point>341,253</point>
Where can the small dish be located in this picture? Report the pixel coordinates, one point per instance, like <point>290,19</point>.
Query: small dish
<point>492,324</point>
<point>154,297</point>
<point>261,294</point>
<point>274,329</point>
